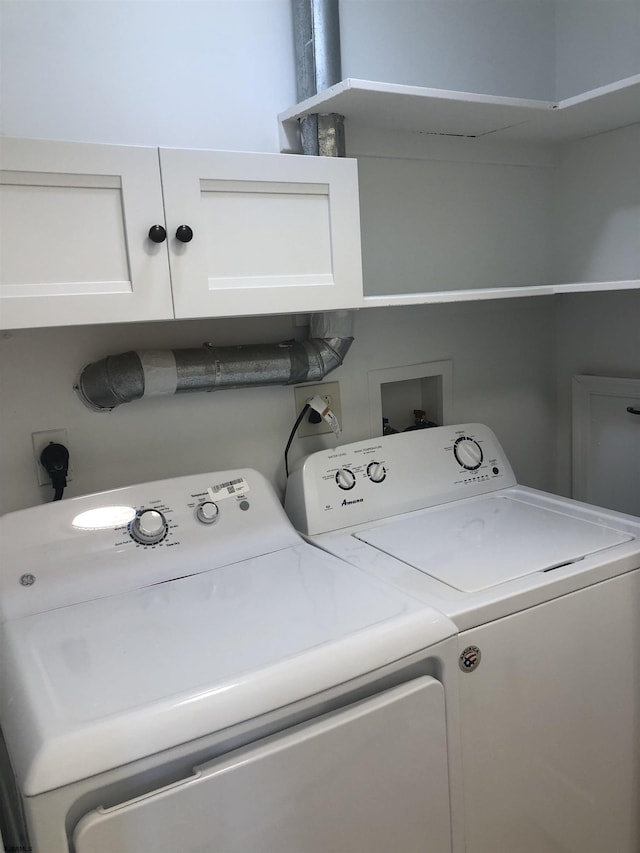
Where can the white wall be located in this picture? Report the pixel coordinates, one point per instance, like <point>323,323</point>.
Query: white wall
<point>597,42</point>
<point>501,47</point>
<point>597,208</point>
<point>445,220</point>
<point>178,73</point>
<point>547,49</point>
<point>502,374</point>
<point>83,70</point>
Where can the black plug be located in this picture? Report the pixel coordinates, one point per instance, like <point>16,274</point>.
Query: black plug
<point>55,461</point>
<point>314,417</point>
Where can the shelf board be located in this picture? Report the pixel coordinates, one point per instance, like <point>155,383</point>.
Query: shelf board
<point>471,295</point>
<point>438,111</point>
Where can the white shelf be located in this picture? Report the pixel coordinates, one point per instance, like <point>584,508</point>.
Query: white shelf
<point>391,300</point>
<point>438,111</point>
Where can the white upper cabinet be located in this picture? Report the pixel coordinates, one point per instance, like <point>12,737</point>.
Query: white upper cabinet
<point>86,237</point>
<point>263,233</point>
<point>74,235</point>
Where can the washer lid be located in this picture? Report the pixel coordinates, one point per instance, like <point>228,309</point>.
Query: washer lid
<point>477,545</point>
<point>95,685</point>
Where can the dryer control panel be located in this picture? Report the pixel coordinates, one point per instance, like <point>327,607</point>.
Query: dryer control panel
<point>99,545</point>
<point>367,480</point>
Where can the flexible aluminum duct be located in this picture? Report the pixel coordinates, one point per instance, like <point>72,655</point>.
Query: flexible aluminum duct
<point>117,379</point>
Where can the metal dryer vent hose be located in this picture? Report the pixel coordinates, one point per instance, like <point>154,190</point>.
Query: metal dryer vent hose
<point>117,379</point>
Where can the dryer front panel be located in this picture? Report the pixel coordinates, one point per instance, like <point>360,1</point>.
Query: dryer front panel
<point>369,778</point>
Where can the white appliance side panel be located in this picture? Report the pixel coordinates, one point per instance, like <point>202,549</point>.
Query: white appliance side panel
<point>367,779</point>
<point>482,543</point>
<point>551,718</point>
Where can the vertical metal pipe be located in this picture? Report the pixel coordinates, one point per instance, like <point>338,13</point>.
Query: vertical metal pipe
<point>317,50</point>
<point>317,45</point>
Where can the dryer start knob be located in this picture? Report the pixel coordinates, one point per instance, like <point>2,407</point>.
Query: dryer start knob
<point>148,527</point>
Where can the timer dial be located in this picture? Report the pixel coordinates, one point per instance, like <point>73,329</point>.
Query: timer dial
<point>345,478</point>
<point>148,527</point>
<point>376,472</point>
<point>207,512</point>
<point>468,453</point>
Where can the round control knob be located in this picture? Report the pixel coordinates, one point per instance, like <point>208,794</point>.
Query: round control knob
<point>468,453</point>
<point>376,472</point>
<point>345,478</point>
<point>184,234</point>
<point>207,512</point>
<point>148,527</point>
<point>157,234</point>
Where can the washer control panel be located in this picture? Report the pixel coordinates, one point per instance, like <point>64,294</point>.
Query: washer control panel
<point>367,480</point>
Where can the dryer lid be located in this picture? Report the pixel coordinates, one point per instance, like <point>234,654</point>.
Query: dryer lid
<point>101,683</point>
<point>476,545</point>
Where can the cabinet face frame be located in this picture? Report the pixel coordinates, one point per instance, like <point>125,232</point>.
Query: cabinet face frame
<point>272,233</point>
<point>142,291</point>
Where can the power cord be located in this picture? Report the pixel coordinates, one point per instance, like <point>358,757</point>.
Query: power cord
<point>55,461</point>
<point>320,411</point>
<point>304,410</point>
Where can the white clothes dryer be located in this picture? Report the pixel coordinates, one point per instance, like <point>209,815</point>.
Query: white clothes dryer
<point>545,592</point>
<point>182,672</point>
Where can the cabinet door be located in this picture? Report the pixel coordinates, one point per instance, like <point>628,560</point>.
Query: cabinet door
<point>74,222</point>
<point>272,233</point>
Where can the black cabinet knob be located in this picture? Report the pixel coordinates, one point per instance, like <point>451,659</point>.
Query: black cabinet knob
<point>184,234</point>
<point>157,234</point>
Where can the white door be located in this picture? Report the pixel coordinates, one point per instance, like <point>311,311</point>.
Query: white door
<point>261,233</point>
<point>606,442</point>
<point>370,778</point>
<point>75,221</point>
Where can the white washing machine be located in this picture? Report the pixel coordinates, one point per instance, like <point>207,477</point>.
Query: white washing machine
<point>545,593</point>
<point>180,671</point>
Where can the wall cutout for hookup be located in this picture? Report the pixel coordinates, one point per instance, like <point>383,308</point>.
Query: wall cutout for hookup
<point>395,392</point>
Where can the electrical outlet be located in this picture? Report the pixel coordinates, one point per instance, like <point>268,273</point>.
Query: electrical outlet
<point>40,440</point>
<point>330,393</point>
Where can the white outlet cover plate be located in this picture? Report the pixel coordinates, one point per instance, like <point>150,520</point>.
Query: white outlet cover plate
<point>329,391</point>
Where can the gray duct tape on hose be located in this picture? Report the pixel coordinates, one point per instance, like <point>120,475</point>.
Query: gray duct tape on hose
<point>160,372</point>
